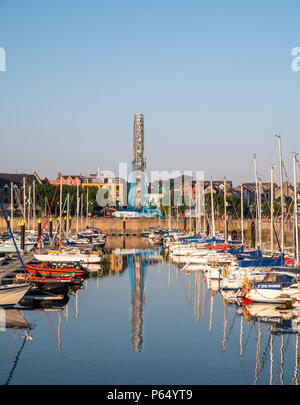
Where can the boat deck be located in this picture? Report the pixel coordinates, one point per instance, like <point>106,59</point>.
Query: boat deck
<point>15,266</point>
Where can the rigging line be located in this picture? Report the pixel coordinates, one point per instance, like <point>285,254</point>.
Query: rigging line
<point>12,236</point>
<point>249,334</point>
<point>73,195</point>
<point>265,356</point>
<point>287,177</point>
<point>53,331</point>
<point>38,242</point>
<point>274,225</point>
<point>292,236</point>
<point>182,282</point>
<point>58,224</point>
<point>250,170</point>
<point>230,329</point>
<point>20,206</point>
<point>16,361</point>
<point>206,300</point>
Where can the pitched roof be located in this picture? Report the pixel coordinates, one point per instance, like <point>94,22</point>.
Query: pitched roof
<point>17,178</point>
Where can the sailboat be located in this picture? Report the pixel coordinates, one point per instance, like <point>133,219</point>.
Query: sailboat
<point>278,287</point>
<point>11,294</point>
<point>69,256</point>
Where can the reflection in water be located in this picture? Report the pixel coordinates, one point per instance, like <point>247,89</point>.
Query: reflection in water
<point>14,319</point>
<point>281,321</point>
<point>282,359</point>
<point>295,376</point>
<point>241,337</point>
<point>271,358</point>
<point>16,361</point>
<point>128,242</point>
<point>252,336</point>
<point>211,309</point>
<point>272,322</point>
<point>197,297</point>
<point>137,268</point>
<point>258,350</point>
<point>224,329</point>
<point>137,262</point>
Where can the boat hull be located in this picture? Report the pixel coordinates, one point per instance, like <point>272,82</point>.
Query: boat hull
<point>272,295</point>
<point>12,249</point>
<point>67,258</point>
<point>12,294</point>
<point>48,271</point>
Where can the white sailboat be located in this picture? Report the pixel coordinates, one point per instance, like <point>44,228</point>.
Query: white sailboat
<point>11,294</point>
<point>69,256</point>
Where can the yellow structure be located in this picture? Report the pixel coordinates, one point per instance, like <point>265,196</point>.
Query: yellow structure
<point>116,190</point>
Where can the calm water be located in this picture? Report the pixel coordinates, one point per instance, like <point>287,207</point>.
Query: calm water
<point>141,320</point>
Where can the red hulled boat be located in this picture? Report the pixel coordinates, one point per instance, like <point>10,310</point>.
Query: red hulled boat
<point>74,281</point>
<point>46,270</point>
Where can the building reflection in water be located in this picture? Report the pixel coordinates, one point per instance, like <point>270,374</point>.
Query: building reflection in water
<point>137,271</point>
<point>113,264</point>
<point>138,259</point>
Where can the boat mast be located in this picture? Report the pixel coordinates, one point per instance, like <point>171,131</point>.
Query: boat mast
<point>225,213</point>
<point>29,205</point>
<point>77,208</point>
<point>12,206</point>
<point>281,195</point>
<point>258,194</point>
<point>24,199</point>
<point>81,211</point>
<point>190,212</point>
<point>68,207</point>
<point>87,206</point>
<point>296,213</point>
<point>212,209</point>
<point>33,204</point>
<point>242,214</point>
<point>197,208</point>
<point>260,212</point>
<point>201,208</point>
<point>60,209</point>
<point>272,211</point>
<point>170,209</point>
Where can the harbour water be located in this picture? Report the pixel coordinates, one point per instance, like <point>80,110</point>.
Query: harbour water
<point>141,320</point>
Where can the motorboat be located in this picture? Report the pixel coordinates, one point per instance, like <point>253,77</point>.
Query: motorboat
<point>51,270</point>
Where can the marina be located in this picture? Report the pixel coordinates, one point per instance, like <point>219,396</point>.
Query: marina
<point>149,199</point>
<point>167,327</point>
<point>189,300</point>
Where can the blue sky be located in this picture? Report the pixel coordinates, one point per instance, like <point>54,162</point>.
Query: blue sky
<point>213,80</point>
